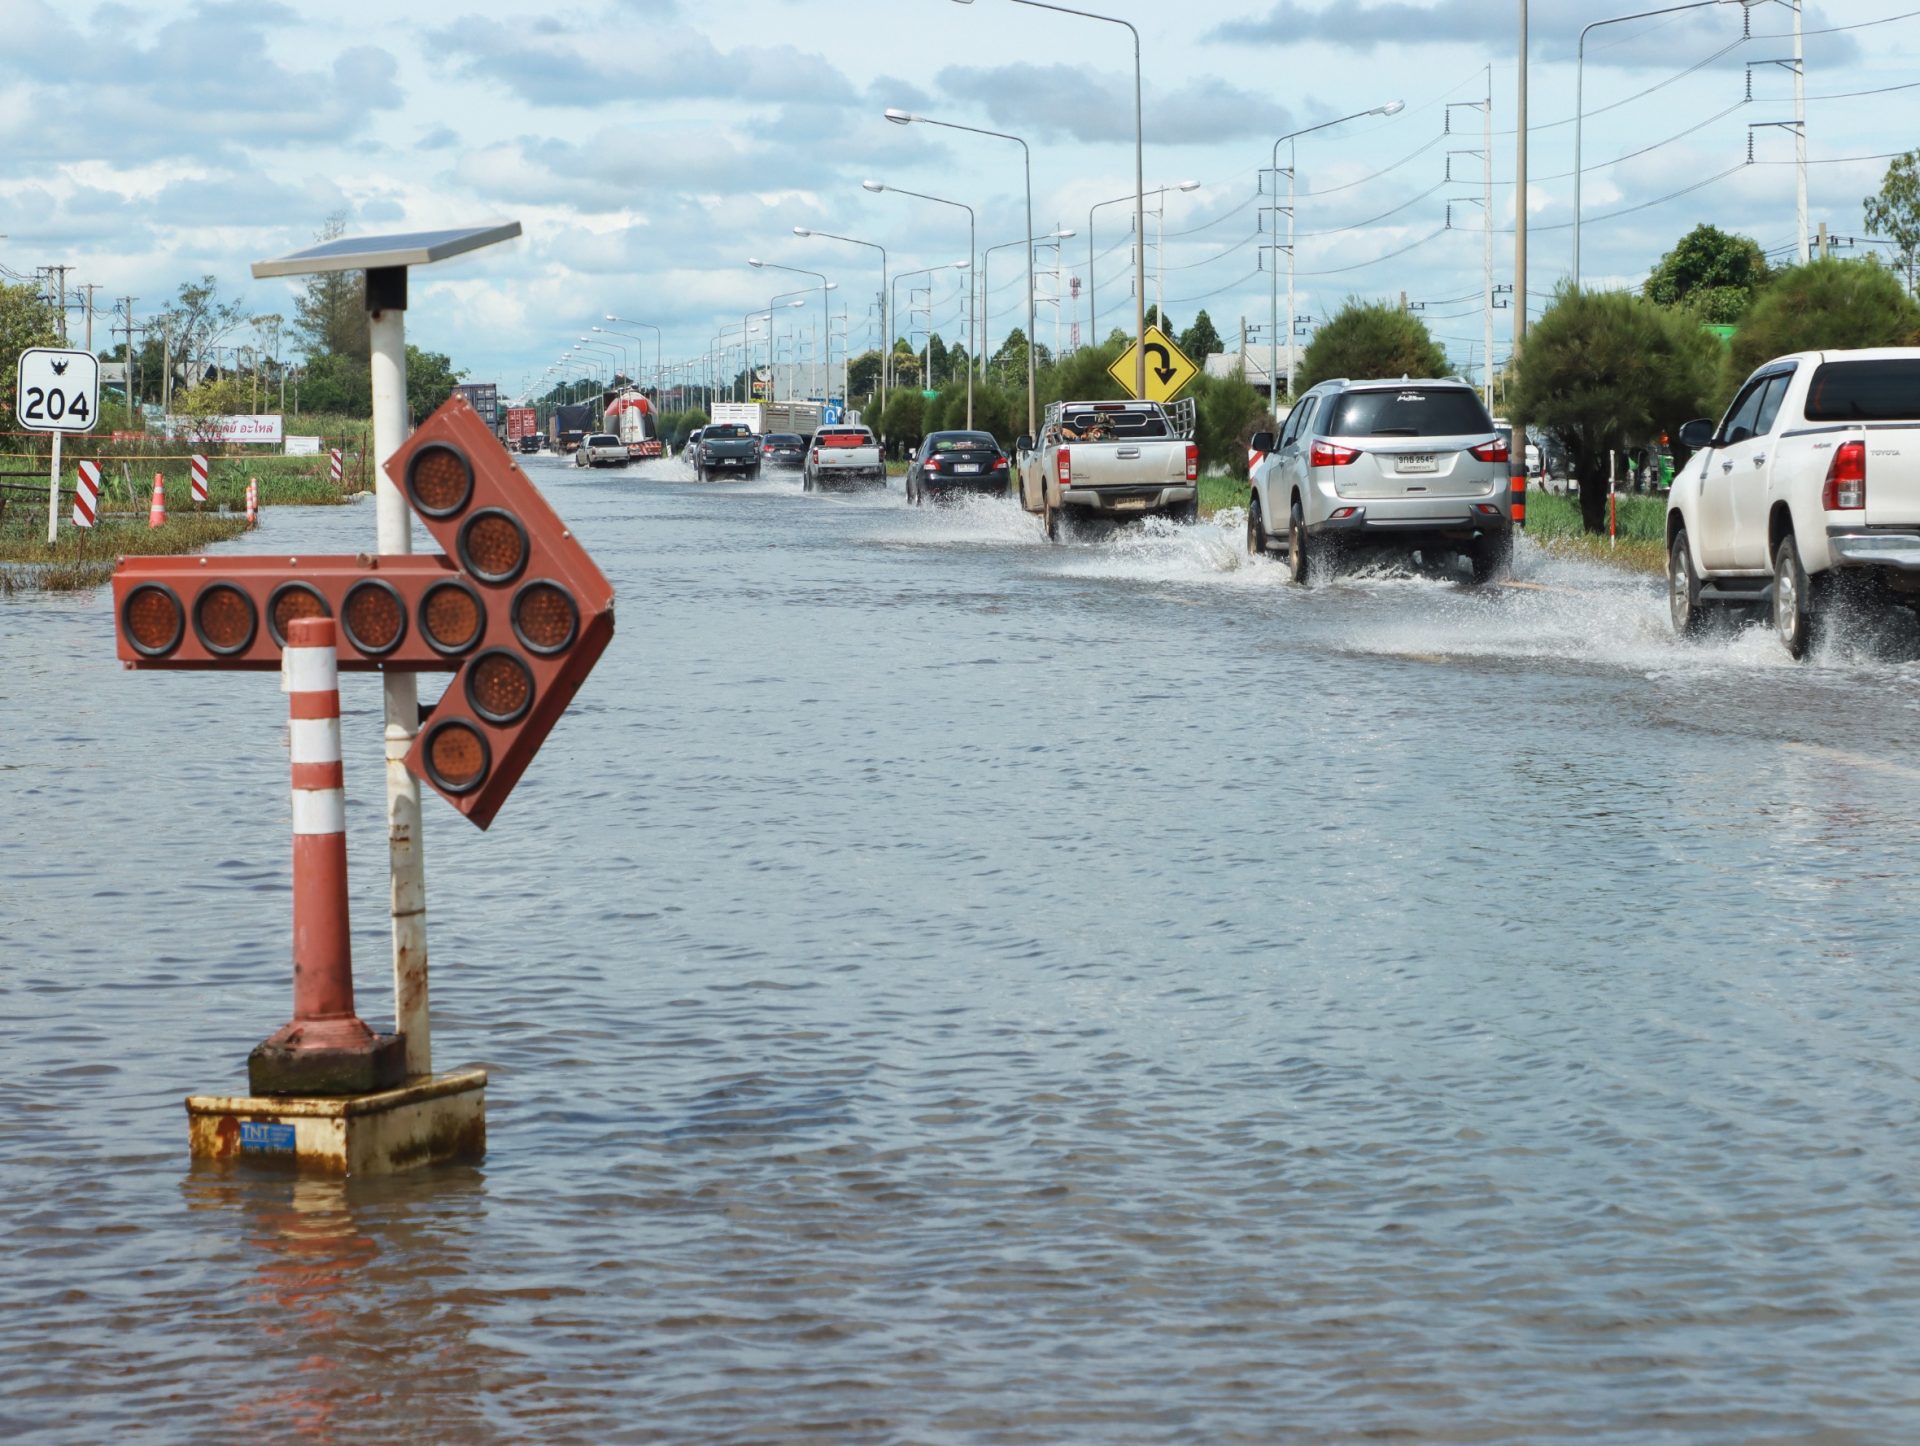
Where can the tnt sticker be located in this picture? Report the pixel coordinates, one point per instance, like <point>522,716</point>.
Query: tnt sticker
<point>266,1137</point>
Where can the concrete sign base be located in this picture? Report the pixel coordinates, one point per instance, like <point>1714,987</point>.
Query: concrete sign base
<point>428,1121</point>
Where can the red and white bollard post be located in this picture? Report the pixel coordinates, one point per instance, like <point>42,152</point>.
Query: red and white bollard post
<point>253,501</point>
<point>199,477</point>
<point>336,467</point>
<point>325,1049</point>
<point>86,495</point>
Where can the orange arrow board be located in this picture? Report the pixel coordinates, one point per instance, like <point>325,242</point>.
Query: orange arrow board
<point>548,609</point>
<point>515,609</point>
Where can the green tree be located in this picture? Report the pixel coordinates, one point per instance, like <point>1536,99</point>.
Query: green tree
<point>1201,340</point>
<point>1712,273</point>
<point>1228,411</point>
<point>1825,304</point>
<point>330,312</point>
<point>863,374</point>
<point>1154,318</point>
<point>430,379</point>
<point>1608,370</point>
<point>25,321</point>
<point>1370,339</point>
<point>904,421</point>
<point>335,382</point>
<point>1895,213</point>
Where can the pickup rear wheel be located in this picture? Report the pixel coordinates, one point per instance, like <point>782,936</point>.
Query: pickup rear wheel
<point>1256,528</point>
<point>1794,615</point>
<point>1049,517</point>
<point>1683,589</point>
<point>1297,545</point>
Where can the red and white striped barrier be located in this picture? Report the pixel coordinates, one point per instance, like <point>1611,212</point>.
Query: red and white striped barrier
<point>86,495</point>
<point>335,465</point>
<point>253,501</point>
<point>323,1016</point>
<point>199,478</point>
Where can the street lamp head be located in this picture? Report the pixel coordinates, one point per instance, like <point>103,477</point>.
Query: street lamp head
<point>830,286</point>
<point>900,117</point>
<point>961,265</point>
<point>801,231</point>
<point>874,186</point>
<point>755,261</point>
<point>1392,107</point>
<point>1065,232</point>
<point>800,301</point>
<point>1189,186</point>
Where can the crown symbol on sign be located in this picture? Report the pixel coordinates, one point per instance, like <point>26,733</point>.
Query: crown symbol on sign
<point>59,369</point>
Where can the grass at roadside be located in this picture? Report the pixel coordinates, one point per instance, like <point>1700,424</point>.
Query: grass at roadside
<point>83,559</point>
<point>1553,521</point>
<point>1218,490</point>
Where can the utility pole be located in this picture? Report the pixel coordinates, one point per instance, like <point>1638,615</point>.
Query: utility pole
<point>133,403</point>
<point>1800,125</point>
<point>89,289</point>
<point>60,295</point>
<point>1520,198</point>
<point>1486,219</point>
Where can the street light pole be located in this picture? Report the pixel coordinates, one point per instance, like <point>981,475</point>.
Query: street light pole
<point>901,118</point>
<point>1139,197</point>
<point>1579,117</point>
<point>973,335</point>
<point>886,343</point>
<point>1392,107</point>
<point>797,271</point>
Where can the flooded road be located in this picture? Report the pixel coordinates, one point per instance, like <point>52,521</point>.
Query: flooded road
<point>943,987</point>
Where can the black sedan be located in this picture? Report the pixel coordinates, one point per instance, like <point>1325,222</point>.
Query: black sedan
<point>954,462</point>
<point>783,450</point>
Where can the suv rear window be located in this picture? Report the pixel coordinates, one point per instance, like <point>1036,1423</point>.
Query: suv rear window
<point>1407,412</point>
<point>1865,391</point>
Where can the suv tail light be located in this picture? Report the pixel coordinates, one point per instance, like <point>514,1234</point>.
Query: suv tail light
<point>1330,454</point>
<point>1494,451</point>
<point>1193,462</point>
<point>1066,466</point>
<point>1846,488</point>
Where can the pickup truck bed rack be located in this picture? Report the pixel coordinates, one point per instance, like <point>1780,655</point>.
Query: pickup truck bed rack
<point>1180,415</point>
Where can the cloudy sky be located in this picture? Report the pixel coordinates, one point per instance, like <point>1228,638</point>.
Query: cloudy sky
<point>649,147</point>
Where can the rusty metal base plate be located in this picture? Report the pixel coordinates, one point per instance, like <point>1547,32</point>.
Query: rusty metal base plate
<point>427,1121</point>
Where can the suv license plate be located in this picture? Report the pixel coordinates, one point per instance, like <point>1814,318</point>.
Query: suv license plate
<point>1417,462</point>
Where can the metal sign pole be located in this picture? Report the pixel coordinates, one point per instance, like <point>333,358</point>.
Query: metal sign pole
<point>387,328</point>
<point>53,495</point>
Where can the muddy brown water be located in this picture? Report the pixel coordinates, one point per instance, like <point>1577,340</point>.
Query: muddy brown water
<point>942,987</point>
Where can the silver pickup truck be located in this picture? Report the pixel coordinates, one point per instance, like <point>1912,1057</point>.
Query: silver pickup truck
<point>842,455</point>
<point>1111,459</point>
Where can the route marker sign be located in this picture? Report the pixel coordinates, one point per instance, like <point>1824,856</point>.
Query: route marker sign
<point>58,391</point>
<point>1168,368</point>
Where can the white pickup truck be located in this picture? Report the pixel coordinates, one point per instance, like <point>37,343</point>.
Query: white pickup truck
<point>1805,499</point>
<point>842,456</point>
<point>1111,459</point>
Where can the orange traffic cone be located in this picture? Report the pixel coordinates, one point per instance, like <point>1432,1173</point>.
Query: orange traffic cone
<point>157,513</point>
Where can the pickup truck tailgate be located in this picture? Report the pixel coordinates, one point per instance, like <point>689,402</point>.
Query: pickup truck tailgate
<point>1871,403</point>
<point>1126,464</point>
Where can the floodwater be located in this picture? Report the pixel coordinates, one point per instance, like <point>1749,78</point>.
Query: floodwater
<point>940,987</point>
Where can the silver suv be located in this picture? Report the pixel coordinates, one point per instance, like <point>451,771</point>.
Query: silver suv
<point>1406,466</point>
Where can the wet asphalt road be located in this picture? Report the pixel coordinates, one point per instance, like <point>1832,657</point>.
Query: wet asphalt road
<point>943,987</point>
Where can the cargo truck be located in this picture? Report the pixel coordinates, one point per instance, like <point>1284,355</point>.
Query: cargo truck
<point>569,423</point>
<point>522,422</point>
<point>764,417</point>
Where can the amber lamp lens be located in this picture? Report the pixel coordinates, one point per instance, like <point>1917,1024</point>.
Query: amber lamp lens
<point>457,756</point>
<point>500,687</point>
<point>544,617</point>
<point>374,618</point>
<point>153,620</point>
<point>295,603</point>
<point>441,480</point>
<point>451,618</point>
<point>494,546</point>
<point>224,616</point>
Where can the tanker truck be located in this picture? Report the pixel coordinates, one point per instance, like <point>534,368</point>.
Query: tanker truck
<point>630,417</point>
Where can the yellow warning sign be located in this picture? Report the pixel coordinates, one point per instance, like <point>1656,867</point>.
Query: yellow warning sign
<point>1168,368</point>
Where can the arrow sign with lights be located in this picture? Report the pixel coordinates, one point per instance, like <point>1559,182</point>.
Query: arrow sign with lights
<point>513,607</point>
